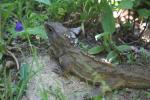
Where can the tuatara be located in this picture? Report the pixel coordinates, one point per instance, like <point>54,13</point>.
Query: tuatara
<point>73,60</point>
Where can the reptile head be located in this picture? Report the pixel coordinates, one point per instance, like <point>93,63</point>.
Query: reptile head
<point>57,34</point>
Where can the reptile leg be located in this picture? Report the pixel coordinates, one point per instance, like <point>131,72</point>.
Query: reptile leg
<point>108,84</point>
<point>58,68</point>
<point>66,65</point>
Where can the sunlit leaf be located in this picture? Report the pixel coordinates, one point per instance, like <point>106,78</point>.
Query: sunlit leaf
<point>99,36</point>
<point>96,50</point>
<point>97,98</point>
<point>112,56</point>
<point>61,11</point>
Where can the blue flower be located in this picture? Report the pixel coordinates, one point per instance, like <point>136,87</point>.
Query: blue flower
<point>19,27</point>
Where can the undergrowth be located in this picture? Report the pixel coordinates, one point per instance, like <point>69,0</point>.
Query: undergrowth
<point>22,20</point>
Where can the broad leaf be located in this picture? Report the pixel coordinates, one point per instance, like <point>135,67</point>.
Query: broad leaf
<point>24,72</point>
<point>99,36</point>
<point>126,4</point>
<point>96,50</point>
<point>39,31</point>
<point>144,12</point>
<point>108,21</point>
<point>111,57</point>
<point>123,48</point>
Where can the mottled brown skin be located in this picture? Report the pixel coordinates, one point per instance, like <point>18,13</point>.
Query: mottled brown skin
<point>72,60</point>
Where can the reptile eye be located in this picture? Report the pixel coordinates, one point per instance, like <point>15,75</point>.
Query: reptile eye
<point>47,26</point>
<point>49,30</point>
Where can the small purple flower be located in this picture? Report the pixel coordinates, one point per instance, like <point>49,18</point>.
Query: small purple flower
<point>19,27</point>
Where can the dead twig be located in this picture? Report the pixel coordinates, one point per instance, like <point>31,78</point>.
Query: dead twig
<point>144,27</point>
<point>14,57</point>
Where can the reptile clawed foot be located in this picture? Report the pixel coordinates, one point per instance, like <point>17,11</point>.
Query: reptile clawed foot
<point>58,71</point>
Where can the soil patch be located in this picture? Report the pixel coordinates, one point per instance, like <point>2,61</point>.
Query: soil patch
<point>71,88</point>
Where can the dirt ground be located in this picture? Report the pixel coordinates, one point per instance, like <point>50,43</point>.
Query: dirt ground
<point>46,79</point>
<point>60,88</point>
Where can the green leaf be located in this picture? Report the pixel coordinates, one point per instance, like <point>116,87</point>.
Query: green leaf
<point>1,55</point>
<point>144,12</point>
<point>24,72</point>
<point>47,2</point>
<point>112,56</point>
<point>97,98</point>
<point>61,11</point>
<point>131,58</point>
<point>144,52</point>
<point>99,36</point>
<point>96,50</point>
<point>83,46</point>
<point>148,94</point>
<point>2,46</point>
<point>126,4</point>
<point>123,48</point>
<point>39,31</point>
<point>108,21</point>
